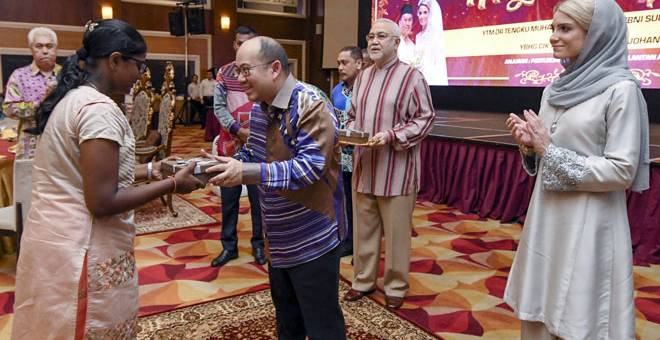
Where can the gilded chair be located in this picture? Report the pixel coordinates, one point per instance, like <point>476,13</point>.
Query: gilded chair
<point>166,121</point>
<point>140,116</point>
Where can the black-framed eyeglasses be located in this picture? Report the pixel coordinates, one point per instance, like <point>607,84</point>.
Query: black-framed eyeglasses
<point>141,64</point>
<point>246,71</point>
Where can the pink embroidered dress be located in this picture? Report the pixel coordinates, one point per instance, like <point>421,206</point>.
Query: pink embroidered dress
<point>76,276</point>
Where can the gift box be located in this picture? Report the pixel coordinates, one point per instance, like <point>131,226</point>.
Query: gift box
<point>353,137</point>
<point>170,167</point>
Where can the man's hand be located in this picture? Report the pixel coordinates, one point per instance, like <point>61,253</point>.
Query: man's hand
<point>243,135</point>
<point>379,139</point>
<point>230,169</point>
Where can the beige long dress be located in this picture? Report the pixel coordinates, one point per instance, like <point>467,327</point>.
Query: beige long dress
<point>76,276</point>
<point>573,267</point>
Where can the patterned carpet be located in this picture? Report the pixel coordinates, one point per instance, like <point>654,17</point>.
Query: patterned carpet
<point>252,316</point>
<point>459,266</point>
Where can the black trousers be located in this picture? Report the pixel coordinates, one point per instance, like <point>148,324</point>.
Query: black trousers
<point>348,195</point>
<point>306,299</point>
<point>196,108</point>
<point>207,105</point>
<point>230,198</point>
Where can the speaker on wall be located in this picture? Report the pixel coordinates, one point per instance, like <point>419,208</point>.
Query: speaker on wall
<point>176,23</point>
<point>196,21</point>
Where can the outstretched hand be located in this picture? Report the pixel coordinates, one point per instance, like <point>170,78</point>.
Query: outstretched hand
<point>230,169</point>
<point>185,181</point>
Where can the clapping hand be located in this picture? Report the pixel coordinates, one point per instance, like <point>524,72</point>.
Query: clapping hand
<point>540,136</point>
<point>518,129</point>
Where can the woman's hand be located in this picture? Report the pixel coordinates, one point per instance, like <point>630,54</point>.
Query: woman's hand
<point>185,181</point>
<point>155,168</point>
<point>540,136</point>
<point>518,130</point>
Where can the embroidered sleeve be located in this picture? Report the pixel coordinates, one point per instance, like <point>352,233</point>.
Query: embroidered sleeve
<point>563,169</point>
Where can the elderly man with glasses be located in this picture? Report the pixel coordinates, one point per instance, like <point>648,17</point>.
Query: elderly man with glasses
<point>392,101</point>
<point>292,154</point>
<point>28,86</point>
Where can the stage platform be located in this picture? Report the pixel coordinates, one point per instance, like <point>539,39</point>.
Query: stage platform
<point>471,163</point>
<point>488,127</point>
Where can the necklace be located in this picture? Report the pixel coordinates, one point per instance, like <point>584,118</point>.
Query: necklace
<point>558,115</point>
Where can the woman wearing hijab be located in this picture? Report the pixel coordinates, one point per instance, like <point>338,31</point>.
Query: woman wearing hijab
<point>430,44</point>
<point>572,274</point>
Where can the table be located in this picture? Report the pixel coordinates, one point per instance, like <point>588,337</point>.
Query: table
<point>6,188</point>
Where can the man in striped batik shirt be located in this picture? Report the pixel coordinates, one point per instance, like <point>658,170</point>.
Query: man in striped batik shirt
<point>292,154</point>
<point>391,101</point>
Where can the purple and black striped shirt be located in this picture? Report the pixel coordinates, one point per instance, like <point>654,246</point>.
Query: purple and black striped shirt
<point>294,155</point>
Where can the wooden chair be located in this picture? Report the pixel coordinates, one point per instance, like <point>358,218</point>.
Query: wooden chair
<point>12,217</point>
<point>140,116</point>
<point>166,117</point>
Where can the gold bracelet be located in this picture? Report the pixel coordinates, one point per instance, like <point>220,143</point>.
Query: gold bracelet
<point>174,181</point>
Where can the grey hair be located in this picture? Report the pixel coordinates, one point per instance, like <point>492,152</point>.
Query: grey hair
<point>582,11</point>
<point>394,28</point>
<point>41,31</point>
<point>272,50</point>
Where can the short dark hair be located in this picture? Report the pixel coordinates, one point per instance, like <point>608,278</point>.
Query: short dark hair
<point>272,50</point>
<point>355,52</point>
<point>243,29</point>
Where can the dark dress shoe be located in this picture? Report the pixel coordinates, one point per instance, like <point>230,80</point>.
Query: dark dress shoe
<point>354,295</point>
<point>259,256</point>
<point>223,258</point>
<point>393,302</point>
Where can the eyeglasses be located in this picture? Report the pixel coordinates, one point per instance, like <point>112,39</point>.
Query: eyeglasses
<point>141,64</point>
<point>246,71</point>
<point>380,36</point>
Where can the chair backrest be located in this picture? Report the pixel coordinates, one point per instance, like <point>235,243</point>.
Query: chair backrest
<point>166,112</point>
<point>140,116</point>
<point>22,190</point>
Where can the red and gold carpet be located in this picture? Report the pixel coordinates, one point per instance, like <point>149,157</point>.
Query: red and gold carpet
<point>459,267</point>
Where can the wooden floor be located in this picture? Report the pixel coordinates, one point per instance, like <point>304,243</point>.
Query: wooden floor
<point>488,127</point>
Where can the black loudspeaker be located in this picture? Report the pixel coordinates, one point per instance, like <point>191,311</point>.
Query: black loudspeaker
<point>196,21</point>
<point>176,23</point>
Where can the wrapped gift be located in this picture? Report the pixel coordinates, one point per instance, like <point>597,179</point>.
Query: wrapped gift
<point>353,137</point>
<point>170,167</point>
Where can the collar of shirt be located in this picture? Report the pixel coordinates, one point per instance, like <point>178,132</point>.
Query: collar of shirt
<point>283,97</point>
<point>35,70</point>
<point>388,65</point>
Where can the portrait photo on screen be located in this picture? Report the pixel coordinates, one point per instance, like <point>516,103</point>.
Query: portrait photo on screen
<point>504,42</point>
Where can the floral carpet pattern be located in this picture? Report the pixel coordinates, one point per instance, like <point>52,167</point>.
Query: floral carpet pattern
<point>459,267</point>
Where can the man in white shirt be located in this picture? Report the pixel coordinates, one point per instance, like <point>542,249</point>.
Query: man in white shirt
<point>406,51</point>
<point>195,97</point>
<point>207,87</point>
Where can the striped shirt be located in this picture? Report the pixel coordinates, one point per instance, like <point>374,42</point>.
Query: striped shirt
<point>231,107</point>
<point>293,155</point>
<point>395,99</point>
